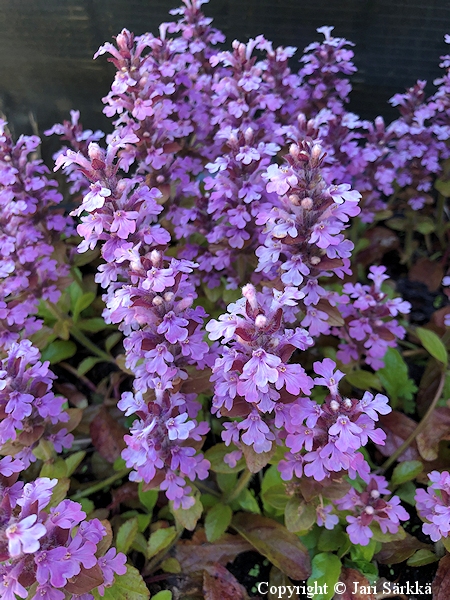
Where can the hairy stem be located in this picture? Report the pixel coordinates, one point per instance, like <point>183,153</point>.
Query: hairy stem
<point>420,427</point>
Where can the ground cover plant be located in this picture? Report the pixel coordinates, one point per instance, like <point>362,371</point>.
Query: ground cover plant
<point>224,332</point>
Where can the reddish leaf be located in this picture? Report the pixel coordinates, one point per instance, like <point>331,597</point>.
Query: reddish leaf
<point>257,461</point>
<point>441,583</point>
<point>354,580</point>
<point>395,552</point>
<point>85,581</point>
<point>107,435</point>
<point>220,584</point>
<point>105,542</point>
<point>333,490</point>
<point>334,316</point>
<point>275,542</point>
<point>428,272</point>
<point>398,428</point>
<point>436,429</point>
<point>197,382</point>
<point>194,554</point>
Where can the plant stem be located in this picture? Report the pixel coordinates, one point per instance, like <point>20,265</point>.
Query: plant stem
<point>242,483</point>
<point>100,485</point>
<point>86,342</point>
<point>420,427</point>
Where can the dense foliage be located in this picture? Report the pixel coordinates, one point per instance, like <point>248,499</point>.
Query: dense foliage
<point>274,321</point>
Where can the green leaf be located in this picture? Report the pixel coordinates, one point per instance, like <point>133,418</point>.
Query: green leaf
<point>364,553</point>
<point>188,518</point>
<point>170,565</point>
<point>126,534</point>
<point>432,344</point>
<point>275,542</point>
<point>331,539</point>
<point>130,586</point>
<point>276,496</point>
<point>422,557</point>
<point>213,294</point>
<point>246,501</point>
<point>217,521</point>
<point>75,291</point>
<point>406,471</point>
<point>148,499</point>
<point>425,225</point>
<point>73,461</point>
<point>394,377</point>
<point>159,540</point>
<point>216,454</point>
<point>56,469</point>
<point>81,303</point>
<point>87,364</point>
<point>443,187</point>
<point>163,595</point>
<point>87,505</point>
<point>363,380</point>
<point>407,493</point>
<point>226,481</point>
<point>112,340</point>
<point>326,568</point>
<point>298,515</point>
<point>58,351</point>
<point>93,325</point>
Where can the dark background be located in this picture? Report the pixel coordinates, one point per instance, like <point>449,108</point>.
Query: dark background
<point>46,47</point>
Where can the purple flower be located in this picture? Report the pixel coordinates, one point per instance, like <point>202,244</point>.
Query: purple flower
<point>23,536</point>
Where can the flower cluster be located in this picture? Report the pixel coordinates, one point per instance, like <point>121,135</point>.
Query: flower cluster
<point>29,409</point>
<point>29,230</point>
<point>369,507</point>
<point>370,327</point>
<point>433,505</point>
<point>55,550</point>
<point>304,238</point>
<point>252,377</point>
<point>325,438</point>
<point>150,297</point>
<point>323,81</point>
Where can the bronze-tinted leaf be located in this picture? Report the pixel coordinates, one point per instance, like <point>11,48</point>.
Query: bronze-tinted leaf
<point>396,552</point>
<point>398,428</point>
<point>441,583</point>
<point>428,272</point>
<point>107,435</point>
<point>275,542</point>
<point>355,582</point>
<point>436,429</point>
<point>85,581</point>
<point>194,554</point>
<point>220,584</point>
<point>257,461</point>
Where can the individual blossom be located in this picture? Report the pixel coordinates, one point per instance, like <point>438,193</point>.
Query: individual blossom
<point>370,507</point>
